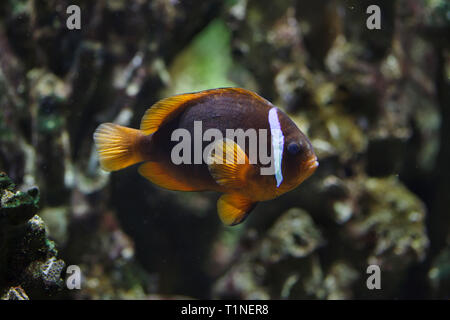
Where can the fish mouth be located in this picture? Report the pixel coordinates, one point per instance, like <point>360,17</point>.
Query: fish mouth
<point>307,169</point>
<point>311,165</point>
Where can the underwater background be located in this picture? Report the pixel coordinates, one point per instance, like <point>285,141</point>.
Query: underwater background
<point>374,103</point>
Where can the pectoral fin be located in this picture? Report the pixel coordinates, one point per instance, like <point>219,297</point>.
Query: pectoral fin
<point>234,208</point>
<point>229,165</point>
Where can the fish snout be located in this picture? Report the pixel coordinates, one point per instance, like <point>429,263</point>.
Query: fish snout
<point>312,164</point>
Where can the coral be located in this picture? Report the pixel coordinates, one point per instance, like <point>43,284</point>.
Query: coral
<point>439,275</point>
<point>28,257</point>
<point>15,293</point>
<point>278,258</point>
<point>16,206</point>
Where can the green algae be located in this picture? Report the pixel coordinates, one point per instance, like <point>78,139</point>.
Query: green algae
<point>205,63</point>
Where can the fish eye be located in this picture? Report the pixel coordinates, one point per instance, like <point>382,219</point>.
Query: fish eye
<point>293,148</point>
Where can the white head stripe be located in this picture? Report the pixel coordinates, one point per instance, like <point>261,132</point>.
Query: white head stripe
<point>277,143</point>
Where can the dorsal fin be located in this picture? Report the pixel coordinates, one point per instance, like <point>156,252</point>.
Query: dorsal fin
<point>167,109</point>
<point>163,111</point>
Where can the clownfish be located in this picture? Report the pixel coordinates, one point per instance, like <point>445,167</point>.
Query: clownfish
<point>231,166</point>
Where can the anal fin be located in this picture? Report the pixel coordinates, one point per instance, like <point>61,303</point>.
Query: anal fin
<point>234,208</point>
<point>159,175</point>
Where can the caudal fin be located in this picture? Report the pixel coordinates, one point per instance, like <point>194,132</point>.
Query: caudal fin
<point>117,146</point>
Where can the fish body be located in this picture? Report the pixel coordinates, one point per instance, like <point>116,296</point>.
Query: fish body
<point>245,180</point>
